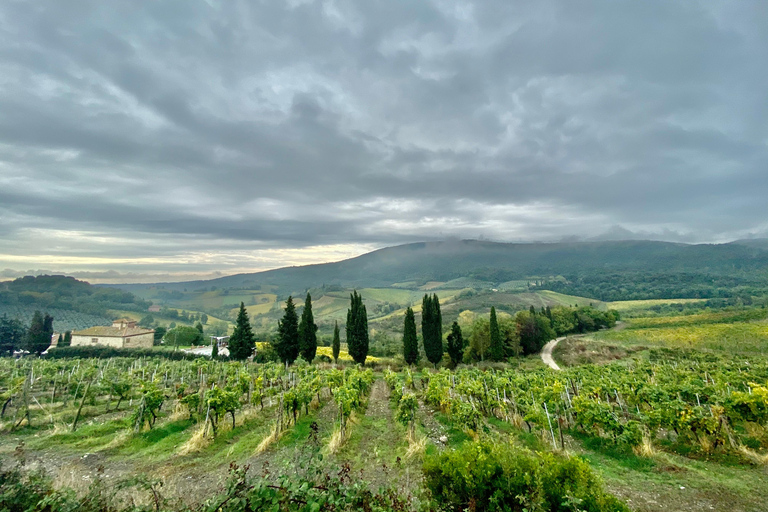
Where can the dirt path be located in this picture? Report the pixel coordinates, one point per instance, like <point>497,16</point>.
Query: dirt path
<point>546,353</point>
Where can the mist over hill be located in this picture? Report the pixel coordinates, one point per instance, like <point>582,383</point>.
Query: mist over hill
<point>414,265</point>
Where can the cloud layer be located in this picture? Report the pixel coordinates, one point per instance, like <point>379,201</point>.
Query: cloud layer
<point>198,136</point>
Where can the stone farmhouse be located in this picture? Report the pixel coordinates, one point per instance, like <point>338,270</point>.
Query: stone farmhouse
<point>122,334</point>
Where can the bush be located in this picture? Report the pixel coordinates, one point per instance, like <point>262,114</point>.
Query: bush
<point>496,476</point>
<point>102,352</point>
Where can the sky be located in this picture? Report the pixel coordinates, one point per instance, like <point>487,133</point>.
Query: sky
<point>149,141</point>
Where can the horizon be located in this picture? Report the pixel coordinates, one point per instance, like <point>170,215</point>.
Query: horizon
<point>112,277</point>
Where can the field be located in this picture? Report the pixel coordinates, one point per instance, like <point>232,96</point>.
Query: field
<point>733,332</point>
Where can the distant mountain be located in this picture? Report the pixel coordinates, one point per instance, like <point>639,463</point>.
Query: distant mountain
<point>414,265</point>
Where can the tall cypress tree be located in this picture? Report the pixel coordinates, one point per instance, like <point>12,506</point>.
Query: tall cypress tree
<point>39,333</point>
<point>410,340</point>
<point>242,342</point>
<point>455,344</point>
<point>336,345</point>
<point>496,348</point>
<point>357,328</point>
<point>431,330</point>
<point>287,346</point>
<point>307,332</point>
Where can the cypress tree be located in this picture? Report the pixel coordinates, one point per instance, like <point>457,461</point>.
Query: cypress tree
<point>336,345</point>
<point>287,346</point>
<point>307,332</point>
<point>410,340</point>
<point>39,333</point>
<point>242,342</point>
<point>67,341</point>
<point>431,330</point>
<point>215,349</point>
<point>455,344</point>
<point>357,329</point>
<point>496,349</point>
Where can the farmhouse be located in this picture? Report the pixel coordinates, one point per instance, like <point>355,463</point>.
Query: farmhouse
<point>122,334</point>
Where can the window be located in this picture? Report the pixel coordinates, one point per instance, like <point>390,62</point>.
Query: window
<point>94,340</point>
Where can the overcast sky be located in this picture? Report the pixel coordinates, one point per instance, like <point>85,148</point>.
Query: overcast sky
<point>144,138</point>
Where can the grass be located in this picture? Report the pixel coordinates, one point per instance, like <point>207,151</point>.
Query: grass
<point>745,338</point>
<point>623,306</point>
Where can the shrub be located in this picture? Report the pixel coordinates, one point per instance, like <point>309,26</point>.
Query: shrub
<point>101,352</point>
<point>495,476</point>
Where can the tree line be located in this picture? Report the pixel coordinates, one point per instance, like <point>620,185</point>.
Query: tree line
<point>35,339</point>
<point>497,338</point>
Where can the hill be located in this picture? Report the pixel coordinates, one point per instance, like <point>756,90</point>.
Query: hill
<point>74,304</point>
<point>556,266</point>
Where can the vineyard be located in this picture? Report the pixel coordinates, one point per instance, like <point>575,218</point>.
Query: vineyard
<point>64,319</point>
<point>186,420</point>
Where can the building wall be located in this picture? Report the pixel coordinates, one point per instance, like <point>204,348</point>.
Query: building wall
<point>87,341</point>
<point>140,341</point>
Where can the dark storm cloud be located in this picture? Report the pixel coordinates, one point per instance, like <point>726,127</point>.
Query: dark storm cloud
<point>207,126</point>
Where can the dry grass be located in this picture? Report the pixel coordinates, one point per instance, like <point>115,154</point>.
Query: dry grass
<point>180,412</point>
<point>760,459</point>
<point>645,448</point>
<point>417,445</point>
<point>517,420</point>
<point>197,442</point>
<point>335,442</point>
<point>268,441</point>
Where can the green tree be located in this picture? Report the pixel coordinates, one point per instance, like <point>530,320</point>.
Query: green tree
<point>336,344</point>
<point>159,335</point>
<point>199,327</point>
<point>432,329</point>
<point>242,342</point>
<point>214,349</point>
<point>40,333</point>
<point>410,340</point>
<point>147,321</point>
<point>307,332</point>
<point>287,343</point>
<point>496,349</point>
<point>204,318</point>
<point>67,341</point>
<point>455,344</point>
<point>357,329</point>
<point>534,331</point>
<point>183,335</point>
<point>12,335</point>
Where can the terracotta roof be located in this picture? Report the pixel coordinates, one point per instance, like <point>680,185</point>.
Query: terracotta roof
<point>114,332</point>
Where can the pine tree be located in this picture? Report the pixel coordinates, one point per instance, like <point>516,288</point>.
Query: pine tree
<point>455,344</point>
<point>496,348</point>
<point>432,329</point>
<point>307,332</point>
<point>336,345</point>
<point>242,342</point>
<point>287,344</point>
<point>357,328</point>
<point>410,340</point>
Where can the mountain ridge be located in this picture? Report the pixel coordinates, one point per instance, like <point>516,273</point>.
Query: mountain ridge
<point>439,261</point>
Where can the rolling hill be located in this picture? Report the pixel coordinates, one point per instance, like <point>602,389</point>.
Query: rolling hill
<point>480,264</point>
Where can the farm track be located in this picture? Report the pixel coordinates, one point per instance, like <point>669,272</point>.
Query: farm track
<point>546,353</point>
